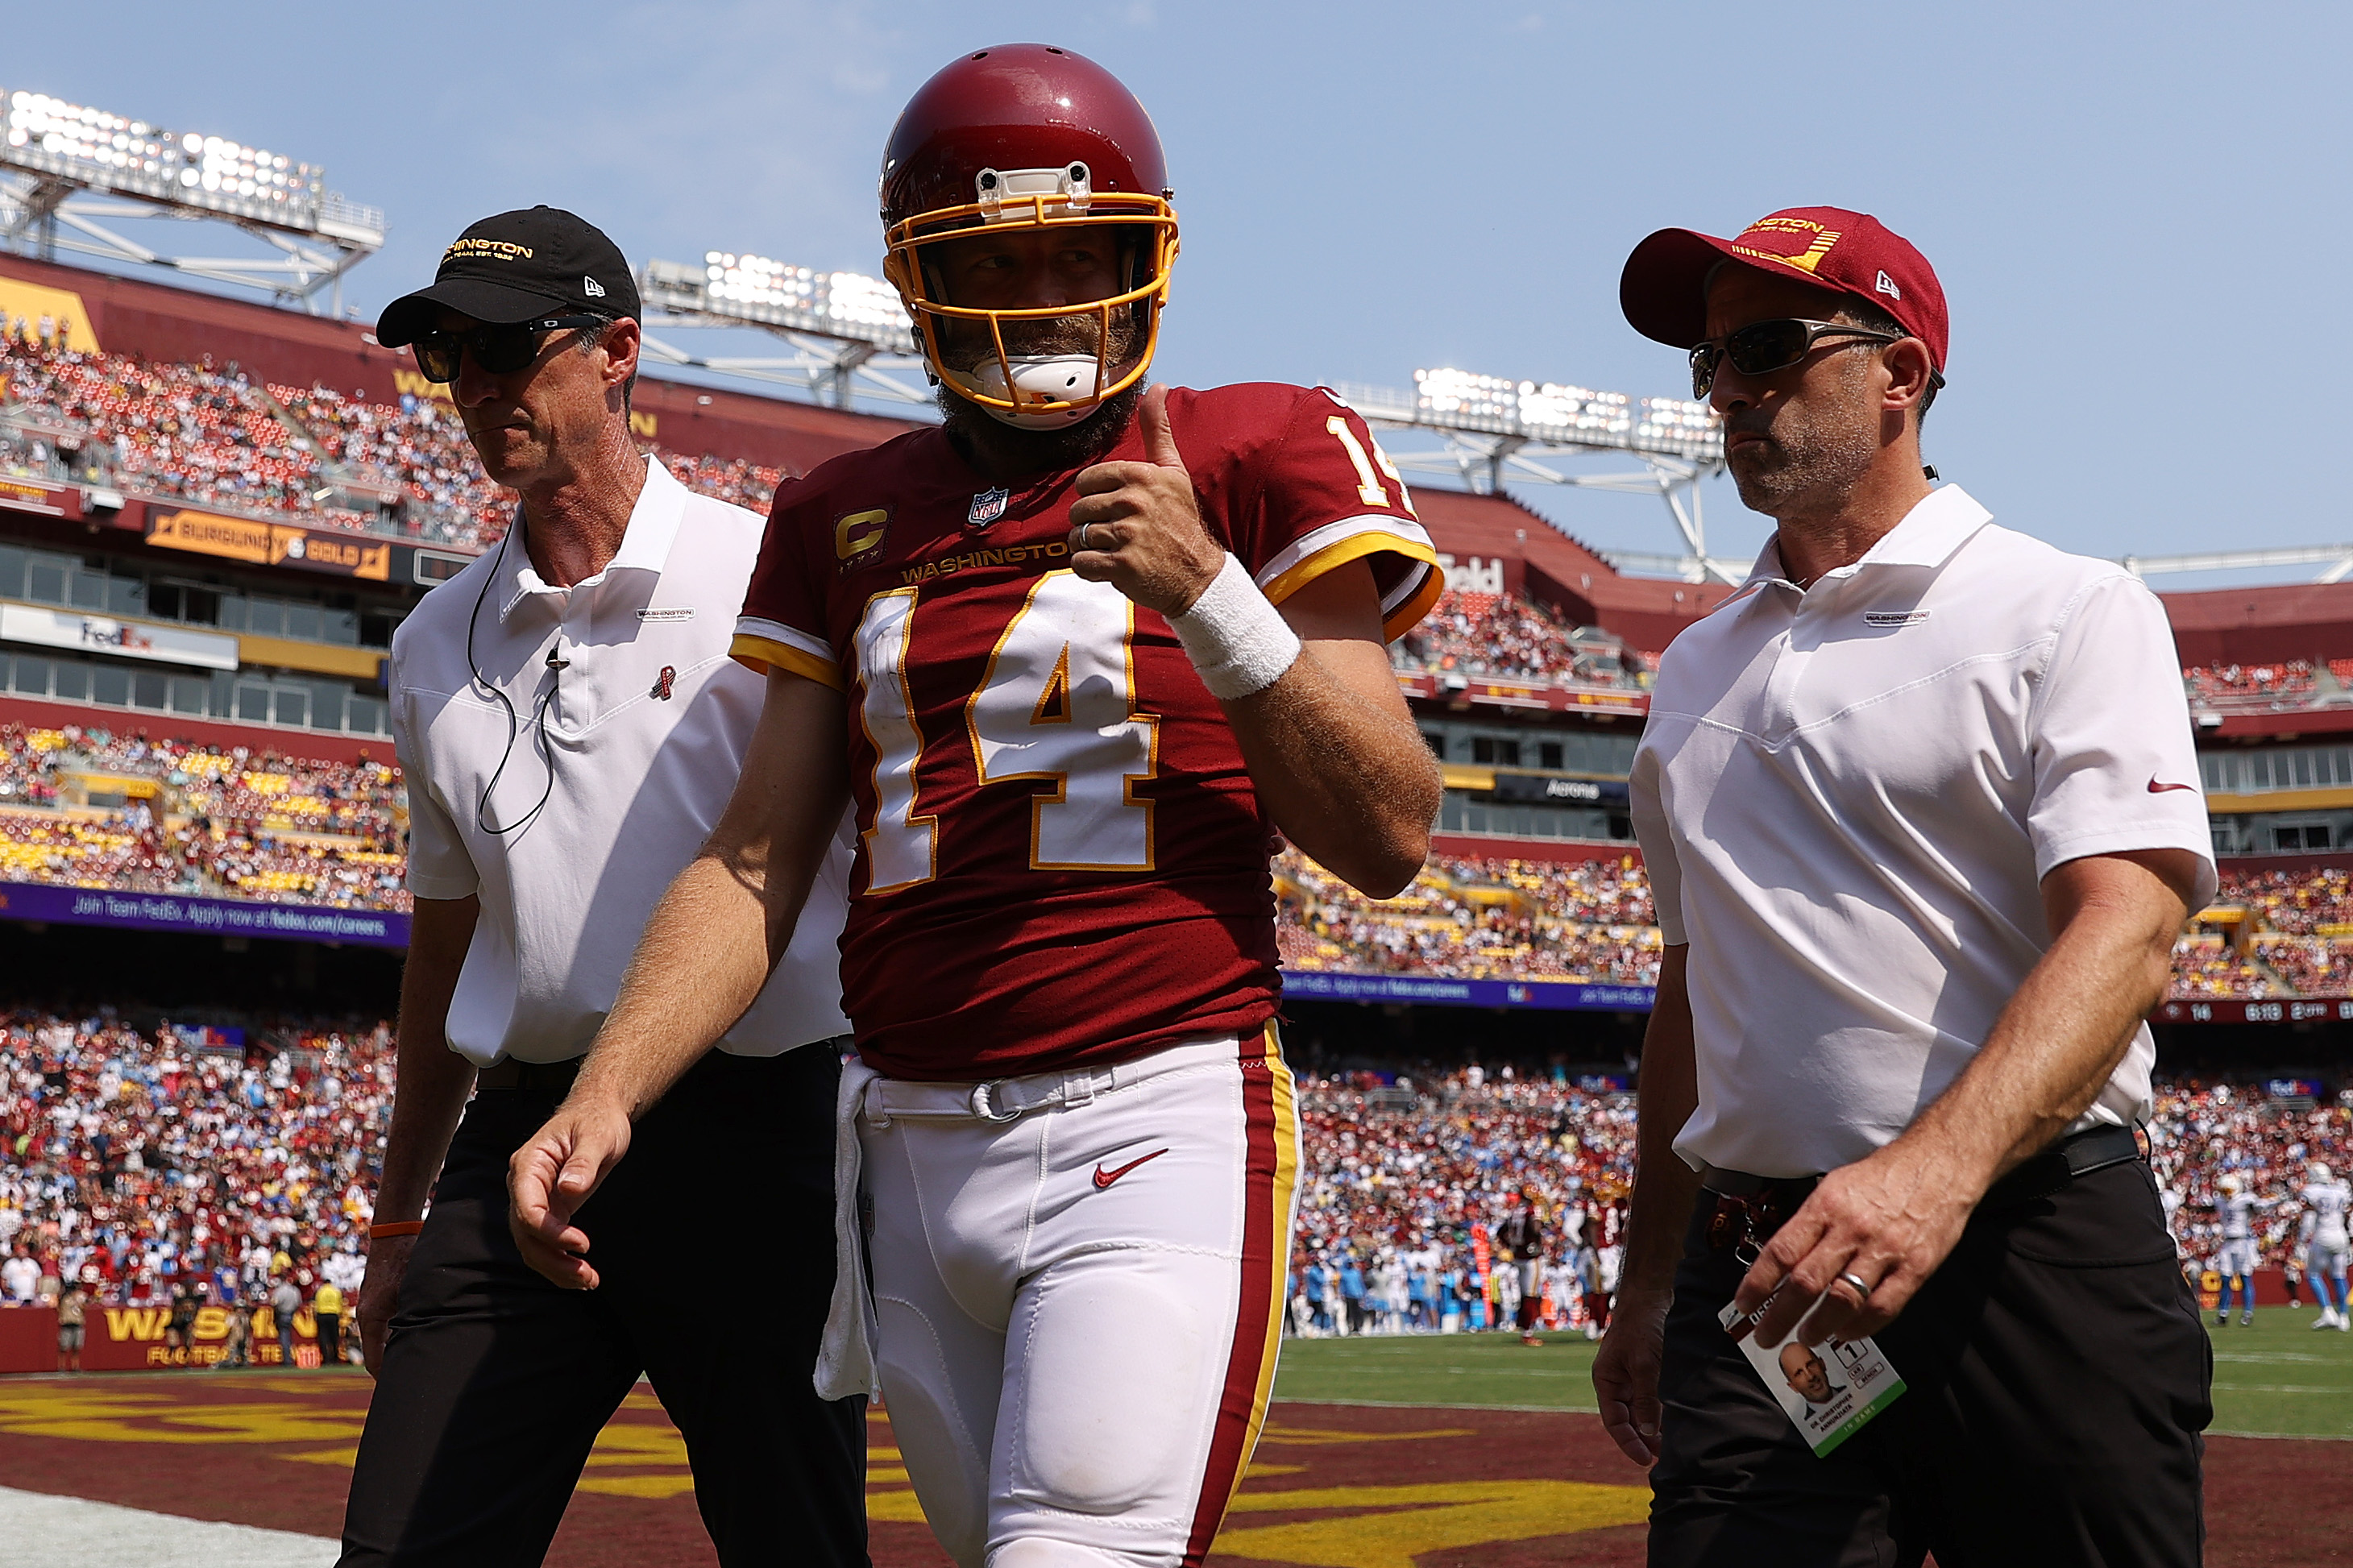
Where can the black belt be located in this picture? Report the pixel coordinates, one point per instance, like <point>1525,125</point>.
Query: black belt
<point>1752,1207</point>
<point>508,1073</point>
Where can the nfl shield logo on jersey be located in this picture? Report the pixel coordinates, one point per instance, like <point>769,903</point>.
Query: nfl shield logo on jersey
<point>987,507</point>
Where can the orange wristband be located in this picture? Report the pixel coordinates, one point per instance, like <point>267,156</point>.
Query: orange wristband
<point>395,1228</point>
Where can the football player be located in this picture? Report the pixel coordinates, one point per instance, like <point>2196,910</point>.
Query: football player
<point>2234,1210</point>
<point>2326,1196</point>
<point>1077,655</point>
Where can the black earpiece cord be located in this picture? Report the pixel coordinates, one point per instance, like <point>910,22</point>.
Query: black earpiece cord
<point>515,722</point>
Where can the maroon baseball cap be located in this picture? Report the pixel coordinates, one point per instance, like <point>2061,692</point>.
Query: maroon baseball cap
<point>1663,287</point>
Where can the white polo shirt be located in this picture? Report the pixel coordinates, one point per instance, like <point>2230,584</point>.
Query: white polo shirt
<point>1848,798</point>
<point>647,727</point>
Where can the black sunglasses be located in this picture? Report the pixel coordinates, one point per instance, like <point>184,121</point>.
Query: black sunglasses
<point>1760,348</point>
<point>499,349</point>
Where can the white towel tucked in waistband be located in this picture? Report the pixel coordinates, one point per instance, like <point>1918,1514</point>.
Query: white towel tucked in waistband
<point>845,1357</point>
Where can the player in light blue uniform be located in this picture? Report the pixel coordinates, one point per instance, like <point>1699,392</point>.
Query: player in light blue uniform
<point>2326,1197</point>
<point>2235,1261</point>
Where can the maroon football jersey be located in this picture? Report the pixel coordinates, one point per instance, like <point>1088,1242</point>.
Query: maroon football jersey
<point>1060,857</point>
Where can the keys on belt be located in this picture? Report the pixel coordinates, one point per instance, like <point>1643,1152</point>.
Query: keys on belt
<point>1744,1221</point>
<point>1749,1209</point>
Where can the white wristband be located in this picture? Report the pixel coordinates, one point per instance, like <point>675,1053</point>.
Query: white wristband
<point>1237,641</point>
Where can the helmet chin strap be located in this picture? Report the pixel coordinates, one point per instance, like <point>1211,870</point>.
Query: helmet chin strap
<point>1036,378</point>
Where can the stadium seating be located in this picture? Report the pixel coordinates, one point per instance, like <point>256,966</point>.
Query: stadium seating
<point>2204,966</point>
<point>2281,686</point>
<point>181,430</point>
<point>2302,902</point>
<point>2288,679</point>
<point>2200,1131</point>
<point>192,432</point>
<point>2309,965</point>
<point>732,479</point>
<point>1474,920</point>
<point>420,449</point>
<point>1497,633</point>
<point>235,824</point>
<point>2292,936</point>
<point>161,1153</point>
<point>285,829</point>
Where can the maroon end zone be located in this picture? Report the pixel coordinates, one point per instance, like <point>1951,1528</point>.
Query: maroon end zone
<point>1331,1484</point>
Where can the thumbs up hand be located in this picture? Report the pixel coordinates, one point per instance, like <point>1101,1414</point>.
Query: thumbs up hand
<point>1137,526</point>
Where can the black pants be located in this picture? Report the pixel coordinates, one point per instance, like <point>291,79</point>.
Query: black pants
<point>715,1240</point>
<point>331,1338</point>
<point>2057,1380</point>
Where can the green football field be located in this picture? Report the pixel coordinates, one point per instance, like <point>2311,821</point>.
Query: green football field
<point>2279,1378</point>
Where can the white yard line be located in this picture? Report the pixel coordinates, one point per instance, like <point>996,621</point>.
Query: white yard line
<point>39,1530</point>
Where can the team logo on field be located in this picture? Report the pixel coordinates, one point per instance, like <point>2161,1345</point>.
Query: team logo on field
<point>858,537</point>
<point>987,507</point>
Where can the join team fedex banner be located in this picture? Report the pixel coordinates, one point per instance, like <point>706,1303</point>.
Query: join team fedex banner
<point>215,917</point>
<point>1316,985</point>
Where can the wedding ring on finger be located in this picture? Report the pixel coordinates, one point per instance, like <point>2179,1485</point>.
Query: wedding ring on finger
<point>1861,1290</point>
<point>1087,538</point>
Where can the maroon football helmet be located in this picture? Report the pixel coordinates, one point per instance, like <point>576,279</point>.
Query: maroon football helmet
<point>1028,136</point>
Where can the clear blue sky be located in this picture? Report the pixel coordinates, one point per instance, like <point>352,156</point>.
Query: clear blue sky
<point>2139,213</point>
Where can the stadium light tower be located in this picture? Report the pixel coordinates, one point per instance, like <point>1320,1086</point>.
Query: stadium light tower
<point>68,171</point>
<point>1494,429</point>
<point>848,331</point>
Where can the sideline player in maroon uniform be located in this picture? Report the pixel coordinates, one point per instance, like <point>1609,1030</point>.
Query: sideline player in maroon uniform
<point>1040,648</point>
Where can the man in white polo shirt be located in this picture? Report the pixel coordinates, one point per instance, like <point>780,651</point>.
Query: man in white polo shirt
<point>570,725</point>
<point>1921,811</point>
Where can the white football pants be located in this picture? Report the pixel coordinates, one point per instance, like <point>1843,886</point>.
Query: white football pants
<point>1078,1284</point>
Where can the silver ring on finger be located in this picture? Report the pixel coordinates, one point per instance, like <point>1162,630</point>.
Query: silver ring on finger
<point>1861,1290</point>
<point>1087,538</point>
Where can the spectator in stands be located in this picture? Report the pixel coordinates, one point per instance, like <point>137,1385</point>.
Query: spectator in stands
<point>21,1275</point>
<point>327,1312</point>
<point>1894,986</point>
<point>285,1303</point>
<point>73,1304</point>
<point>529,899</point>
<point>181,1324</point>
<point>236,1351</point>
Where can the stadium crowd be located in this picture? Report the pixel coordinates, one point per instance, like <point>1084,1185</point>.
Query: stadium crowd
<point>227,824</point>
<point>187,1165</point>
<point>1503,635</point>
<point>160,1162</point>
<point>1410,1185</point>
<point>2301,902</point>
<point>94,807</point>
<point>2203,1131</point>
<point>189,431</point>
<point>1411,1182</point>
<point>2290,682</point>
<point>209,434</point>
<point>1475,920</point>
<point>418,450</point>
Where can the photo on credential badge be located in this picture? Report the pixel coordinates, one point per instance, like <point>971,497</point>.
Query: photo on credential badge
<point>1829,1391</point>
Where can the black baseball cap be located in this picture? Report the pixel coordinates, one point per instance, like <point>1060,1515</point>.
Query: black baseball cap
<point>540,261</point>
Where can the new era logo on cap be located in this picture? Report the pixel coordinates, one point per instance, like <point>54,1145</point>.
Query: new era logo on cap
<point>514,266</point>
<point>1663,287</point>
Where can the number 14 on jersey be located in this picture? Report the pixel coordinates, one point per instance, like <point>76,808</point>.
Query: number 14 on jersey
<point>1055,706</point>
